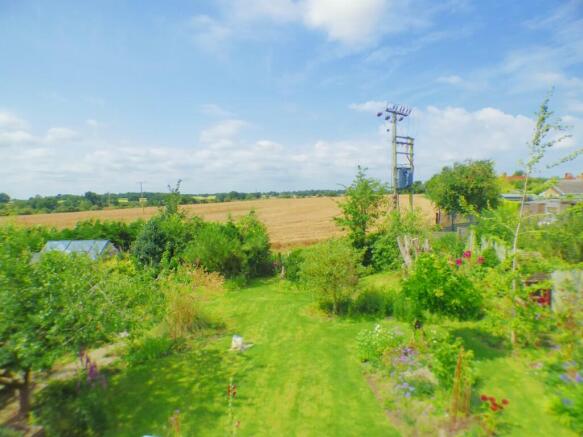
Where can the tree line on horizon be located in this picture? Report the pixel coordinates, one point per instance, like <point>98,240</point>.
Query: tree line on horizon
<point>91,201</point>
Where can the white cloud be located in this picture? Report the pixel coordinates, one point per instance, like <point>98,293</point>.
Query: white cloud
<point>208,33</point>
<point>450,80</point>
<point>372,106</point>
<point>223,160</point>
<point>11,121</point>
<point>221,134</point>
<point>16,137</point>
<point>214,110</point>
<point>350,22</point>
<point>355,24</point>
<point>575,106</point>
<point>277,10</point>
<point>94,124</point>
<point>60,134</point>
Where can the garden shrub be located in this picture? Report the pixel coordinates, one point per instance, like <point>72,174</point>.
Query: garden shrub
<point>445,351</point>
<point>330,269</point>
<point>490,258</point>
<point>72,408</point>
<point>436,287</point>
<point>385,254</point>
<point>404,308</point>
<point>121,234</point>
<point>184,314</point>
<point>148,348</point>
<point>255,246</point>
<point>233,249</point>
<point>292,263</point>
<point>450,245</point>
<point>372,343</point>
<point>372,302</point>
<point>217,248</point>
<point>9,432</point>
<point>162,239</point>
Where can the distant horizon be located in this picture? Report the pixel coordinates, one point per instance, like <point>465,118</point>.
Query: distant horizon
<point>576,175</point>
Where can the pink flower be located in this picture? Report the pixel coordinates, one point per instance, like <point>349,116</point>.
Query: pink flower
<point>467,254</point>
<point>480,260</point>
<point>458,262</point>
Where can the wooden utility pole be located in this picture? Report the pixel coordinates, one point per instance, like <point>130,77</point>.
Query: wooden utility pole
<point>396,113</point>
<point>394,169</point>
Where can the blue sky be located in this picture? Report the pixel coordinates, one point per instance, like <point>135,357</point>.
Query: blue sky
<point>273,94</point>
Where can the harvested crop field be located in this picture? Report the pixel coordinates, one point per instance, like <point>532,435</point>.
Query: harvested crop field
<point>291,222</point>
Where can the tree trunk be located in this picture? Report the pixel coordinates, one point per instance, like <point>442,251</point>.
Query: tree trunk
<point>514,260</point>
<point>24,394</point>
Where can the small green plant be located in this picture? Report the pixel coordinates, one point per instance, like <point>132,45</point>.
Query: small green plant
<point>372,302</point>
<point>147,349</point>
<point>372,343</point>
<point>72,408</point>
<point>330,269</point>
<point>292,264</point>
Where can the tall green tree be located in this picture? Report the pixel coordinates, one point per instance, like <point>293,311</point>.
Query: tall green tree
<point>548,132</point>
<point>58,305</point>
<point>364,204</point>
<point>464,188</point>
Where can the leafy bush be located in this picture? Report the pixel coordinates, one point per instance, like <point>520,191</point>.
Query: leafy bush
<point>9,432</point>
<point>385,254</point>
<point>183,311</point>
<point>121,234</point>
<point>450,245</point>
<point>162,239</point>
<point>255,246</point>
<point>233,249</point>
<point>563,238</point>
<point>372,302</point>
<point>372,343</point>
<point>147,349</point>
<point>292,263</point>
<point>71,408</point>
<point>405,309</point>
<point>217,248</point>
<point>435,286</point>
<point>330,269</point>
<point>445,351</point>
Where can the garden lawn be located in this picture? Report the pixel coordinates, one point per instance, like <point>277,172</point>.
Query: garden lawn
<point>505,375</point>
<point>301,377</point>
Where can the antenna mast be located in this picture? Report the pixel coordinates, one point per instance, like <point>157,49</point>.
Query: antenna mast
<point>401,174</point>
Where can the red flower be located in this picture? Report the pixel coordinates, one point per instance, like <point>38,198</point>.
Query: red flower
<point>492,399</point>
<point>480,260</point>
<point>484,398</point>
<point>458,262</point>
<point>467,254</point>
<point>494,408</point>
<point>505,401</point>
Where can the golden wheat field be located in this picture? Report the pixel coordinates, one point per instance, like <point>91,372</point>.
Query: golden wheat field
<point>290,222</point>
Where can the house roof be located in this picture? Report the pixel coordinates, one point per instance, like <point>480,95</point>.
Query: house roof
<point>569,186</point>
<point>93,248</point>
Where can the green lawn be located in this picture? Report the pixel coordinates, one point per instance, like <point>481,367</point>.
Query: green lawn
<point>301,377</point>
